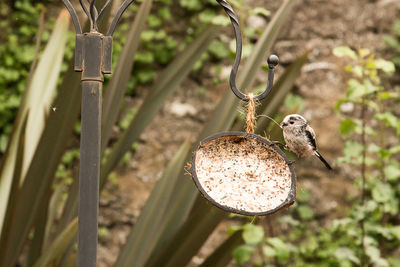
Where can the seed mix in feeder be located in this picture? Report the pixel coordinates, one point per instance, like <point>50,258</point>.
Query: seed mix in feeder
<point>243,174</point>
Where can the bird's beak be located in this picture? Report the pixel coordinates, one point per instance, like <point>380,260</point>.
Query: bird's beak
<point>283,124</point>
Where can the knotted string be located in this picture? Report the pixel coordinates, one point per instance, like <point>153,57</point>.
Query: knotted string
<point>251,114</point>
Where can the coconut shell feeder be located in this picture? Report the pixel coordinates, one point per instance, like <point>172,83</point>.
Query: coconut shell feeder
<point>241,172</point>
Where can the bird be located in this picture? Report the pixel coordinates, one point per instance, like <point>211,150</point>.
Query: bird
<point>300,137</point>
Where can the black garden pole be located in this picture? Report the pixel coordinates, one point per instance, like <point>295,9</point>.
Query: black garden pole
<point>93,54</point>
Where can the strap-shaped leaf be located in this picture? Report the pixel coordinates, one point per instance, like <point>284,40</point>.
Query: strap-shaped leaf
<point>116,88</point>
<point>222,256</point>
<point>149,226</point>
<point>59,245</point>
<point>29,197</point>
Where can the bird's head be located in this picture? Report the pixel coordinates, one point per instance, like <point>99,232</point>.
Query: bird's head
<point>293,120</point>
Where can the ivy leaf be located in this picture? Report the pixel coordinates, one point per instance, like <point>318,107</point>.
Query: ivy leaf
<point>375,255</point>
<point>344,253</point>
<point>382,192</point>
<point>243,253</point>
<point>347,127</point>
<point>395,230</point>
<point>390,120</point>
<point>252,234</point>
<point>345,51</point>
<point>355,89</point>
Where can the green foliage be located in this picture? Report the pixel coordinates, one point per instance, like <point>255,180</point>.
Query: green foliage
<point>306,242</point>
<point>42,203</point>
<point>393,42</point>
<point>17,48</point>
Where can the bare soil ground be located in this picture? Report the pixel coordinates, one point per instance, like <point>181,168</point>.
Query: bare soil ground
<point>317,25</point>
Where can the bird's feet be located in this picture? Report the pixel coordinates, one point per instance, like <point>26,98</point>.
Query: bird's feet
<point>291,162</point>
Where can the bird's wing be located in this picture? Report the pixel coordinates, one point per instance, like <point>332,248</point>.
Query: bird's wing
<point>311,136</point>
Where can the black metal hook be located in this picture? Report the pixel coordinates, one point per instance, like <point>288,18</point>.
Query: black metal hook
<point>273,60</point>
<point>94,16</point>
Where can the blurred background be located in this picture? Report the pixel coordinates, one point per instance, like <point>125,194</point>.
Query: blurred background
<point>168,91</point>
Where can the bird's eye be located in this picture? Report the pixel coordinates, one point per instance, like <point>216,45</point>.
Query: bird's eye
<point>291,122</point>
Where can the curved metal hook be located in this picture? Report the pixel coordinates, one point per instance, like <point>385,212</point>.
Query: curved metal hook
<point>272,60</point>
<point>74,16</point>
<point>117,16</point>
<point>102,10</point>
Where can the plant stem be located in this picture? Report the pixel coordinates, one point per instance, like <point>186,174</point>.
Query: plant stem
<point>363,169</point>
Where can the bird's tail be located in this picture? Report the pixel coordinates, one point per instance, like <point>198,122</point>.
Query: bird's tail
<point>323,160</point>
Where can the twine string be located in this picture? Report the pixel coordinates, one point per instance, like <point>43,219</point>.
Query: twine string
<point>251,114</point>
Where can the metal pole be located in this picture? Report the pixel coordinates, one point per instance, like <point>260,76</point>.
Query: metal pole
<point>89,173</point>
<point>93,54</point>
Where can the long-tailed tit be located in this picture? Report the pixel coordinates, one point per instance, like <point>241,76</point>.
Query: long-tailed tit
<point>300,137</point>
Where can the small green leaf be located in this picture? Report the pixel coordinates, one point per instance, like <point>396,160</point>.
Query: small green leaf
<point>294,102</point>
<point>355,89</point>
<point>218,49</point>
<point>395,230</point>
<point>303,195</point>
<point>305,212</point>
<point>352,149</point>
<point>260,11</point>
<point>382,192</point>
<point>388,118</point>
<point>243,253</point>
<point>253,234</point>
<point>395,149</point>
<point>221,20</point>
<point>268,251</point>
<point>384,65</point>
<point>347,127</point>
<point>207,16</point>
<point>345,51</point>
<point>357,70</point>
<point>233,229</point>
<point>344,253</point>
<point>282,251</point>
<point>363,52</point>
<point>392,173</point>
<point>192,5</point>
<point>375,255</point>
